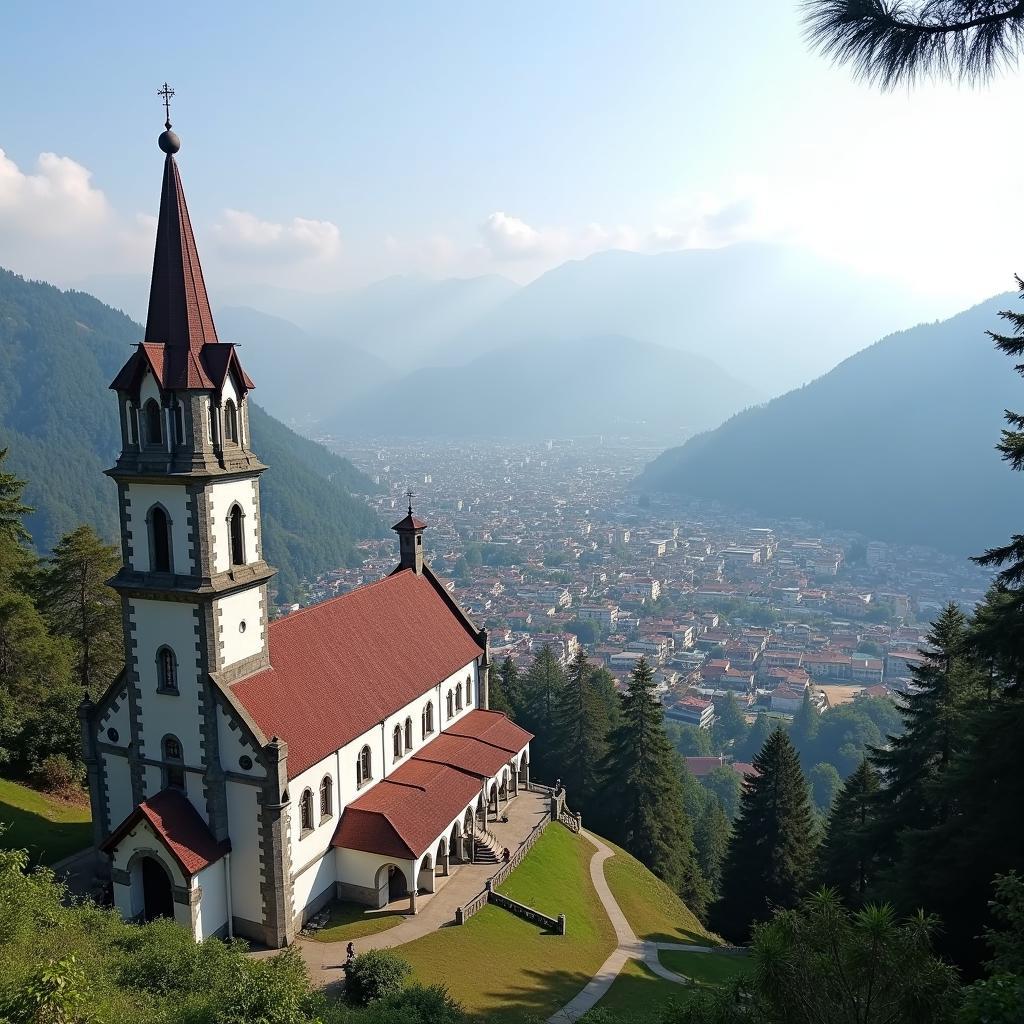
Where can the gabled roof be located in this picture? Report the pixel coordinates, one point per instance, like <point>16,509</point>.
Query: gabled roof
<point>178,826</point>
<point>341,667</point>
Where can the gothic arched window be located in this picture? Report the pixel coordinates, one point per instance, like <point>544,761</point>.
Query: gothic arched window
<point>326,801</point>
<point>458,697</point>
<point>451,704</point>
<point>237,535</point>
<point>154,423</point>
<point>166,671</point>
<point>231,421</point>
<point>131,422</point>
<point>364,766</point>
<point>469,691</point>
<point>306,810</point>
<point>159,540</point>
<point>428,719</point>
<point>408,734</point>
<point>174,767</point>
<point>397,742</point>
<point>179,424</point>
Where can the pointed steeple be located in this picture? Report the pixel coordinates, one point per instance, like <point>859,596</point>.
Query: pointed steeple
<point>179,308</point>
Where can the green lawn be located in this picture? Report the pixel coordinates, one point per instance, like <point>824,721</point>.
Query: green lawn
<point>637,995</point>
<point>499,965</point>
<point>653,910</point>
<point>48,827</point>
<point>352,921</point>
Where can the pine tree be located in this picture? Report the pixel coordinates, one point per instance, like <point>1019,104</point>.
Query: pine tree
<point>581,733</point>
<point>730,725</point>
<point>804,729</point>
<point>505,694</point>
<point>772,849</point>
<point>78,605</point>
<point>711,840</point>
<point>541,687</point>
<point>847,855</point>
<point>642,798</point>
<point>757,736</point>
<point>15,559</point>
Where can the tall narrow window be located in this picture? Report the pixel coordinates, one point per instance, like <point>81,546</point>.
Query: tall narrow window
<point>469,691</point>
<point>428,719</point>
<point>458,697</point>
<point>397,742</point>
<point>408,734</point>
<point>451,705</point>
<point>237,547</point>
<point>167,671</point>
<point>364,766</point>
<point>231,421</point>
<point>132,423</point>
<point>174,768</point>
<point>326,801</point>
<point>179,424</point>
<point>306,810</point>
<point>154,423</point>
<point>213,423</point>
<point>159,540</point>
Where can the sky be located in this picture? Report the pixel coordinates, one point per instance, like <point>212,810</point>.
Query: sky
<point>326,145</point>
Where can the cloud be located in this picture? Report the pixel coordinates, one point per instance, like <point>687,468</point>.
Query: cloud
<point>59,200</point>
<point>509,238</point>
<point>242,234</point>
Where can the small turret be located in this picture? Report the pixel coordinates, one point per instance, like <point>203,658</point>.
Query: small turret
<point>410,540</point>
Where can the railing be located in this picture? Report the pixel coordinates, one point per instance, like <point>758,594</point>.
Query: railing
<point>572,820</point>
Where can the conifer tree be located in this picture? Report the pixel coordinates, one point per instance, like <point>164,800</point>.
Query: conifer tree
<point>541,686</point>
<point>847,855</point>
<point>79,605</point>
<point>757,736</point>
<point>772,849</point>
<point>642,797</point>
<point>804,729</point>
<point>730,725</point>
<point>505,692</point>
<point>15,558</point>
<point>581,733</point>
<point>711,840</point>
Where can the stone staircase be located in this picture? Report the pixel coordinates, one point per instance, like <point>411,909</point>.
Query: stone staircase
<point>486,849</point>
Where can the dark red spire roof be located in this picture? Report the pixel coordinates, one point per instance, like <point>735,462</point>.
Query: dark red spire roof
<point>179,308</point>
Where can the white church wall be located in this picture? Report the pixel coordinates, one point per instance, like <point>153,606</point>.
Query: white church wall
<point>313,845</point>
<point>355,867</point>
<point>243,811</point>
<point>174,499</point>
<point>232,611</point>
<point>233,748</point>
<point>223,495</point>
<point>314,880</point>
<point>213,913</point>
<point>117,720</point>
<point>119,789</point>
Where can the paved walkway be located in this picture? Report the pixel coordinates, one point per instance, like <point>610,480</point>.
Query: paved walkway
<point>434,910</point>
<point>629,946</point>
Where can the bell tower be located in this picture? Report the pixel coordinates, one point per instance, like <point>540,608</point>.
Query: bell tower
<point>193,583</point>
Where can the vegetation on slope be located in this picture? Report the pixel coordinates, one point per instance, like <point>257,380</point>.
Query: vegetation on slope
<point>48,827</point>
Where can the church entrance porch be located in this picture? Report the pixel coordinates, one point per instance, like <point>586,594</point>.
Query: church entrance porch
<point>157,894</point>
<point>391,885</point>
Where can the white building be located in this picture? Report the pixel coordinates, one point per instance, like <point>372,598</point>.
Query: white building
<point>242,772</point>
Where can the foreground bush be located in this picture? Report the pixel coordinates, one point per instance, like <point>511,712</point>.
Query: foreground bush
<point>375,975</point>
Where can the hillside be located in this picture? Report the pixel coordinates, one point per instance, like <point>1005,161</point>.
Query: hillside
<point>595,385</point>
<point>58,353</point>
<point>895,442</point>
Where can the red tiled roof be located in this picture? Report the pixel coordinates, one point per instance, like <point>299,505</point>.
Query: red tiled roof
<point>342,666</point>
<point>410,522</point>
<point>403,814</point>
<point>177,824</point>
<point>701,766</point>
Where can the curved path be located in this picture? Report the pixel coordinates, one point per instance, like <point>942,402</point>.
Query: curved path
<point>629,946</point>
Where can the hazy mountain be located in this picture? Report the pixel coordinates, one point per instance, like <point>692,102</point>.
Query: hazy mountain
<point>58,353</point>
<point>896,442</point>
<point>770,315</point>
<point>595,385</point>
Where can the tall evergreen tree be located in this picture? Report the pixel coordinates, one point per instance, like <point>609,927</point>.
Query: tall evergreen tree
<point>772,849</point>
<point>541,686</point>
<point>15,558</point>
<point>804,729</point>
<point>711,840</point>
<point>505,694</point>
<point>79,605</point>
<point>581,733</point>
<point>730,725</point>
<point>757,736</point>
<point>642,797</point>
<point>847,855</point>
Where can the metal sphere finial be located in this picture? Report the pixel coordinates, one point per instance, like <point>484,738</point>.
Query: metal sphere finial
<point>168,141</point>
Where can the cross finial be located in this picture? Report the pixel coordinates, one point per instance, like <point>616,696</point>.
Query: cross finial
<point>166,92</point>
<point>410,495</point>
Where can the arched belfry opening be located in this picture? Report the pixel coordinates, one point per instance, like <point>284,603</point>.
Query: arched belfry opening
<point>237,535</point>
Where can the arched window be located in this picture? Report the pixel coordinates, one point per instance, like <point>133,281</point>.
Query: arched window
<point>397,741</point>
<point>159,540</point>
<point>469,691</point>
<point>326,798</point>
<point>230,422</point>
<point>213,423</point>
<point>364,767</point>
<point>306,810</point>
<point>237,535</point>
<point>154,423</point>
<point>451,704</point>
<point>458,697</point>
<point>428,719</point>
<point>166,671</point>
<point>179,424</point>
<point>174,768</point>
<point>408,734</point>
<point>131,422</point>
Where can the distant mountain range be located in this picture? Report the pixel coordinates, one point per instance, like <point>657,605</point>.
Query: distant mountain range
<point>897,442</point>
<point>59,350</point>
<point>768,317</point>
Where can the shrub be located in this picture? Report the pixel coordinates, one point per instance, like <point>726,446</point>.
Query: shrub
<point>375,975</point>
<point>57,773</point>
<point>417,1004</point>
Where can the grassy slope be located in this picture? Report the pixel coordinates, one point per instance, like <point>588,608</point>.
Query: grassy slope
<point>352,921</point>
<point>48,827</point>
<point>652,909</point>
<point>509,969</point>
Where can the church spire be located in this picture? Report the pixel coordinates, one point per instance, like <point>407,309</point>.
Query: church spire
<point>179,308</point>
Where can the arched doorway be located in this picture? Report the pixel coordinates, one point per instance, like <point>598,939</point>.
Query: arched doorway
<point>441,859</point>
<point>425,879</point>
<point>157,896</point>
<point>391,884</point>
<point>456,852</point>
<point>492,800</point>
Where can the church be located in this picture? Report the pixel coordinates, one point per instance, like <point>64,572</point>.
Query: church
<point>243,773</point>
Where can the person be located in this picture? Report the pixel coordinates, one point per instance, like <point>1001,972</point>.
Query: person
<point>351,951</point>
<point>506,856</point>
<point>558,786</point>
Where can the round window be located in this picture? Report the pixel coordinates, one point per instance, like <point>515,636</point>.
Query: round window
<point>245,761</point>
<point>241,626</point>
<point>113,735</point>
